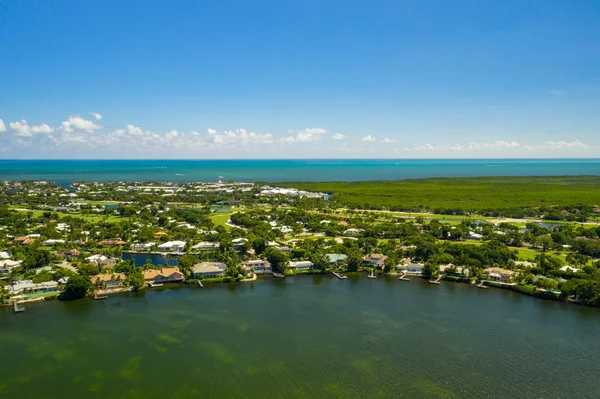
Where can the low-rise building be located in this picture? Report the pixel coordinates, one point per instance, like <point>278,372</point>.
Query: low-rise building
<point>569,269</point>
<point>172,246</point>
<point>375,260</point>
<point>454,270</point>
<point>206,246</point>
<point>29,287</point>
<point>259,266</point>
<point>413,269</point>
<point>164,275</point>
<point>336,258</point>
<point>8,265</point>
<point>209,270</point>
<point>499,274</point>
<point>301,265</point>
<point>113,280</point>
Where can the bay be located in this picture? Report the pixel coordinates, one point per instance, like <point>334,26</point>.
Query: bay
<point>303,337</point>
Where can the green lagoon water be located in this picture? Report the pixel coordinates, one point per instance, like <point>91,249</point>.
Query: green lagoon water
<point>304,337</point>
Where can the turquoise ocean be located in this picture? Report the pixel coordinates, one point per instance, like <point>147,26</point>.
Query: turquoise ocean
<point>64,171</point>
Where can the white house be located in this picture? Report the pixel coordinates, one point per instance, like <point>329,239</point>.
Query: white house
<point>208,269</point>
<point>8,265</point>
<point>259,266</point>
<point>172,246</point>
<point>206,246</point>
<point>53,242</point>
<point>301,265</point>
<point>28,286</point>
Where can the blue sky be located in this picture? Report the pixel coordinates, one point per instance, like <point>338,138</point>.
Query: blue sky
<point>299,79</point>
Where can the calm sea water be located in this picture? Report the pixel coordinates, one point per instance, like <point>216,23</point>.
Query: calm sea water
<point>288,170</point>
<point>304,337</point>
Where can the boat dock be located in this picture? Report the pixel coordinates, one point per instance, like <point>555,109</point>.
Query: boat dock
<point>403,277</point>
<point>481,285</point>
<point>100,296</point>
<point>200,284</point>
<point>278,275</point>
<point>340,276</point>
<point>372,275</point>
<point>152,284</point>
<point>17,308</point>
<point>438,280</point>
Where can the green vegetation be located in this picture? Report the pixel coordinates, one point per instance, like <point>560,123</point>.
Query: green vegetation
<point>493,196</point>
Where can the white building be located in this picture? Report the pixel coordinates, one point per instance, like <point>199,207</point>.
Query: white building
<point>172,246</point>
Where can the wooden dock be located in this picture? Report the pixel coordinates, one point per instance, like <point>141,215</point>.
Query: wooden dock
<point>152,284</point>
<point>481,285</point>
<point>438,280</point>
<point>200,284</point>
<point>278,275</point>
<point>17,308</point>
<point>403,277</point>
<point>372,275</point>
<point>340,276</point>
<point>100,296</point>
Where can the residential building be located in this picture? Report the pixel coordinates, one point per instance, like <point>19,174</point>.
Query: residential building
<point>569,269</point>
<point>259,266</point>
<point>336,258</point>
<point>172,246</point>
<point>375,260</point>
<point>301,265</point>
<point>413,269</point>
<point>454,270</point>
<point>206,246</point>
<point>8,265</point>
<point>499,274</point>
<point>29,287</point>
<point>209,269</point>
<point>113,280</point>
<point>164,275</point>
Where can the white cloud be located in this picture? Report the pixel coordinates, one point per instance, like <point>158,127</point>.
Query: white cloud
<point>96,115</point>
<point>338,136</point>
<point>564,145</point>
<point>83,124</point>
<point>388,140</point>
<point>368,138</point>
<point>211,131</point>
<point>239,137</point>
<point>132,130</point>
<point>504,148</point>
<point>2,126</point>
<point>305,136</point>
<point>22,128</point>
<point>66,127</point>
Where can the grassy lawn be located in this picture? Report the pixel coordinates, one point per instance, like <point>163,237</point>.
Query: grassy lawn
<point>219,219</point>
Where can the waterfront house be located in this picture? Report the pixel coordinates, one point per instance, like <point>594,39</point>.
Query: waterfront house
<point>4,255</point>
<point>336,259</point>
<point>209,269</point>
<point>172,246</point>
<point>164,275</point>
<point>206,246</point>
<point>113,280</point>
<point>302,265</point>
<point>374,260</point>
<point>499,274</point>
<point>453,270</point>
<point>239,244</point>
<point>259,266</point>
<point>29,287</point>
<point>145,246</point>
<point>413,269</point>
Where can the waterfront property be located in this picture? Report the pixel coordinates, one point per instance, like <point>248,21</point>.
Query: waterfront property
<point>114,280</point>
<point>375,260</point>
<point>259,266</point>
<point>302,265</point>
<point>164,275</point>
<point>499,274</point>
<point>205,246</point>
<point>336,259</point>
<point>29,288</point>
<point>172,246</point>
<point>209,270</point>
<point>8,265</point>
<point>413,269</point>
<point>454,270</point>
